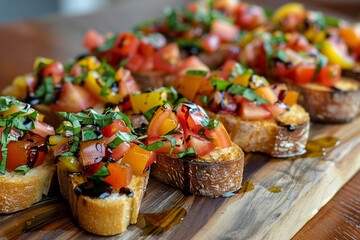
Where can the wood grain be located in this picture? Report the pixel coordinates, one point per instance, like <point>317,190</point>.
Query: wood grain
<point>187,216</point>
<point>306,185</point>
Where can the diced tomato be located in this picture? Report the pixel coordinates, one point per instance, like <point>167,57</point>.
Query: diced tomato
<point>201,145</point>
<point>120,150</point>
<point>192,7</point>
<point>91,152</point>
<point>138,158</point>
<point>73,98</point>
<point>54,70</point>
<point>127,83</point>
<point>126,44</point>
<point>135,62</point>
<point>226,69</point>
<point>276,109</point>
<point>210,43</point>
<point>249,16</point>
<point>192,63</point>
<point>351,36</point>
<point>251,111</point>
<point>167,59</point>
<point>43,129</point>
<point>227,6</point>
<point>220,136</point>
<point>76,70</point>
<point>145,48</point>
<point>179,147</point>
<point>148,64</point>
<point>191,116</point>
<point>329,75</point>
<point>303,73</point>
<point>120,174</point>
<point>29,151</point>
<point>116,126</point>
<point>282,71</point>
<point>163,121</point>
<point>226,31</point>
<point>298,42</point>
<point>93,40</point>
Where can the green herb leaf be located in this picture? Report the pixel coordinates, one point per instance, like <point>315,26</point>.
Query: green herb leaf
<point>101,174</point>
<point>220,84</point>
<point>22,169</point>
<point>155,145</point>
<point>110,42</point>
<point>200,73</point>
<point>90,134</point>
<point>190,151</point>
<point>120,138</point>
<point>247,93</point>
<point>172,140</point>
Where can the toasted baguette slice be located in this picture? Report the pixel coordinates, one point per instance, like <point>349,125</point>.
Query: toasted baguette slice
<point>353,73</point>
<point>153,79</point>
<point>329,105</point>
<point>21,191</point>
<point>108,216</point>
<point>212,175</point>
<point>284,136</point>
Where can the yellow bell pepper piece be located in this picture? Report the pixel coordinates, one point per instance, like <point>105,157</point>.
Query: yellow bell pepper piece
<point>145,101</point>
<point>331,51</point>
<point>291,98</point>
<point>70,163</point>
<point>281,12</point>
<point>188,85</point>
<point>90,63</point>
<point>242,80</point>
<point>43,60</point>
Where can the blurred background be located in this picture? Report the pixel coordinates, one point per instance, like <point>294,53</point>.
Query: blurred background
<point>15,10</point>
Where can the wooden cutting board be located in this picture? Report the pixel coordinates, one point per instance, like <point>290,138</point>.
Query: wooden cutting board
<point>278,197</point>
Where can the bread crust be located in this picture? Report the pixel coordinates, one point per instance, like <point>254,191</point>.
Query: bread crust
<point>214,175</point>
<point>19,191</point>
<point>108,216</point>
<point>328,105</point>
<point>152,79</point>
<point>284,136</point>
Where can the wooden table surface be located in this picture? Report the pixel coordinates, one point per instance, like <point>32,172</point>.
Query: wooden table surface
<point>60,38</point>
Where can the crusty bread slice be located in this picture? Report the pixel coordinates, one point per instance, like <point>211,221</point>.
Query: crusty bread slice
<point>152,79</point>
<point>213,175</point>
<point>108,216</point>
<point>284,136</point>
<point>330,105</point>
<point>353,73</point>
<point>21,191</point>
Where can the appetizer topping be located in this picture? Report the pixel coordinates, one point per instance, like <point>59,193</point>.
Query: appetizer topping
<point>101,147</point>
<point>22,136</point>
<point>76,87</point>
<point>236,90</point>
<point>186,131</point>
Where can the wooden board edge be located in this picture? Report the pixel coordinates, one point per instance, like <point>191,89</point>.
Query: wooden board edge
<point>313,200</point>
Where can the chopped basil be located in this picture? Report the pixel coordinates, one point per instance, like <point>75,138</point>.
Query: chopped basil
<point>120,138</point>
<point>155,145</point>
<point>321,62</point>
<point>212,124</point>
<point>188,43</point>
<point>101,174</point>
<point>22,169</point>
<point>268,12</point>
<point>46,90</point>
<point>173,21</point>
<point>190,151</point>
<point>332,22</point>
<point>247,93</point>
<point>90,134</point>
<point>172,140</point>
<point>110,42</point>
<point>237,70</point>
<point>204,99</point>
<point>157,40</point>
<point>149,113</point>
<point>200,73</point>
<point>220,85</point>
<point>281,55</point>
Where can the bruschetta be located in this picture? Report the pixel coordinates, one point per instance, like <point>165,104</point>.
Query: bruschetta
<point>259,117</point>
<point>86,83</point>
<point>289,57</point>
<point>102,170</point>
<point>194,153</point>
<point>26,166</point>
